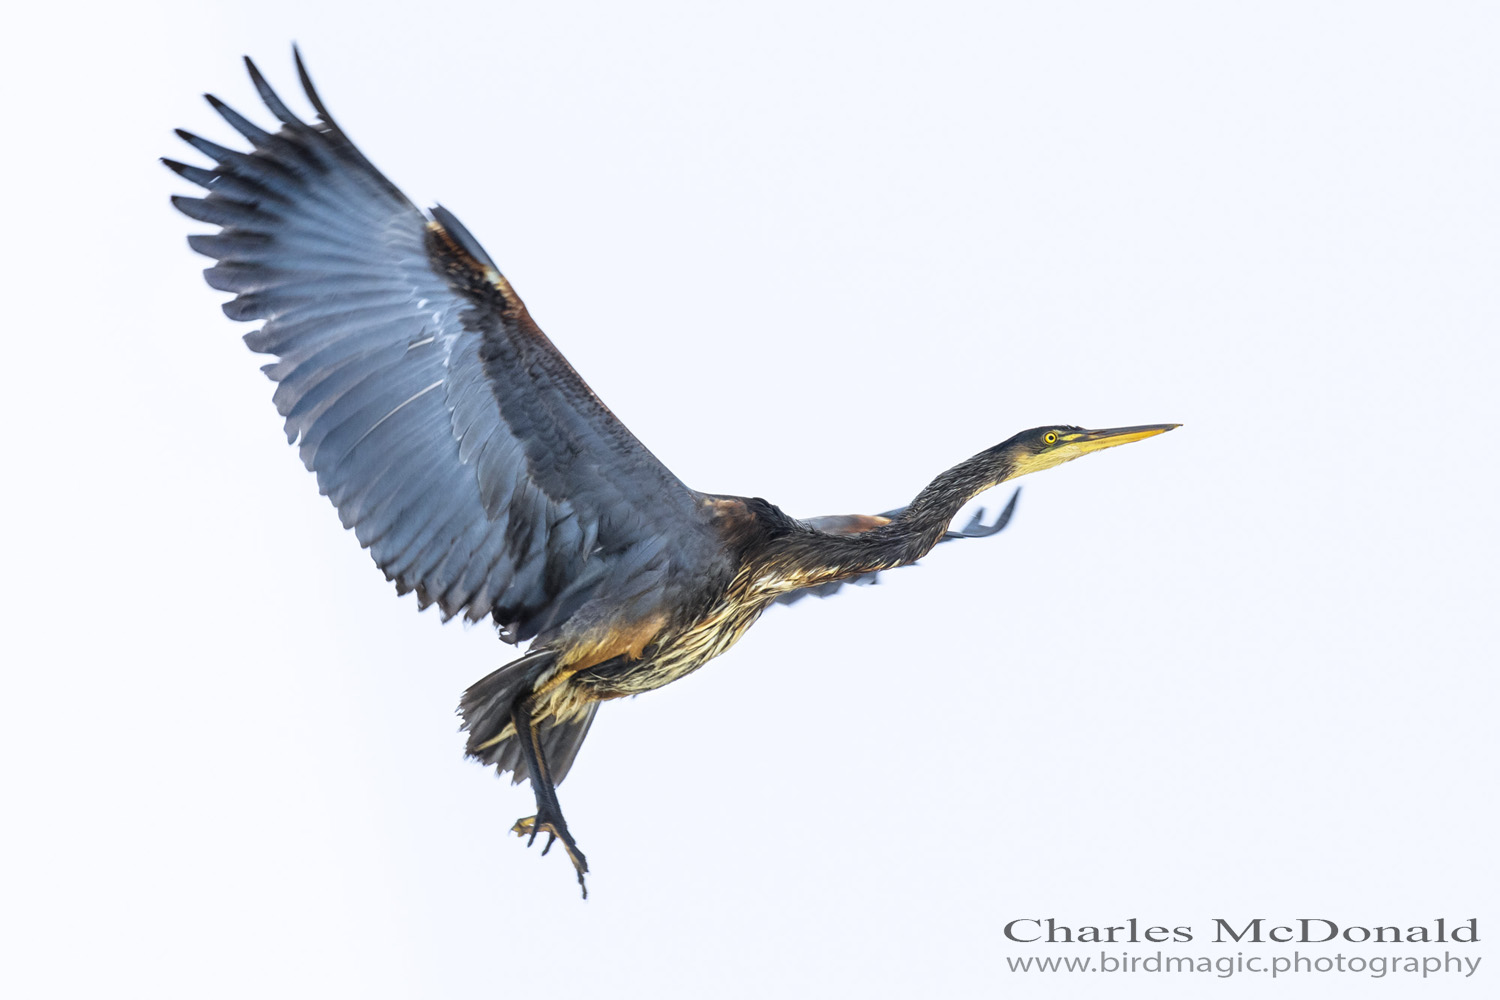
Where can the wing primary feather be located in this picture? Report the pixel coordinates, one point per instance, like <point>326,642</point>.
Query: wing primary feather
<point>308,88</point>
<point>261,170</point>
<point>197,175</point>
<point>223,154</point>
<point>218,212</point>
<point>268,96</point>
<point>239,122</point>
<point>341,146</point>
<point>218,181</point>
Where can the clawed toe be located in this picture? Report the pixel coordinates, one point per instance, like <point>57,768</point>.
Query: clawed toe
<point>530,826</point>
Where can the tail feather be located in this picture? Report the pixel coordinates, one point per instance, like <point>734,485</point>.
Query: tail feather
<point>560,743</point>
<point>486,709</point>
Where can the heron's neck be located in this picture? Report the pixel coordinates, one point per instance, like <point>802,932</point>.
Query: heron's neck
<point>929,515</point>
<point>821,557</point>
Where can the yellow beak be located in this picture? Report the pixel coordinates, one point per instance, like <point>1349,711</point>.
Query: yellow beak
<point>1088,441</point>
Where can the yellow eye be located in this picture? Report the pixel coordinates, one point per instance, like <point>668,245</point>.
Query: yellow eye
<point>1051,438</point>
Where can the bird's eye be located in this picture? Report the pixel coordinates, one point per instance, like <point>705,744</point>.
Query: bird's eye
<point>1051,437</point>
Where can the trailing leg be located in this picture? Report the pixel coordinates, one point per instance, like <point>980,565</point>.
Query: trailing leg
<point>549,817</point>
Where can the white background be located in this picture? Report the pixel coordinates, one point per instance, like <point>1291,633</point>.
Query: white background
<point>816,254</point>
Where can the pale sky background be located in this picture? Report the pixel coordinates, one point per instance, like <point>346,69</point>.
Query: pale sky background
<point>818,254</point>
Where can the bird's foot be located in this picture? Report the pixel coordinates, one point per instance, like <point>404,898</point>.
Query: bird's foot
<point>556,830</point>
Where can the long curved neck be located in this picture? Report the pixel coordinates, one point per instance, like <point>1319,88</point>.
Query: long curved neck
<point>821,557</point>
<point>939,502</point>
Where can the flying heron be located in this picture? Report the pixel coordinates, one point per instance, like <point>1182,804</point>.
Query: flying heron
<point>484,475</point>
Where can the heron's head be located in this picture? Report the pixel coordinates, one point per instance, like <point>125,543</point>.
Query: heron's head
<point>1043,447</point>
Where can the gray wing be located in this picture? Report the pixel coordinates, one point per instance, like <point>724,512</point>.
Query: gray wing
<point>468,456</point>
<point>854,523</point>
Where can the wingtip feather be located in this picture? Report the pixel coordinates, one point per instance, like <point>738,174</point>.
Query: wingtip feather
<point>307,85</point>
<point>238,122</point>
<point>269,96</point>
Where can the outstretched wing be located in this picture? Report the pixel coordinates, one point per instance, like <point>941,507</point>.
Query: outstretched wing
<point>468,456</point>
<point>853,524</point>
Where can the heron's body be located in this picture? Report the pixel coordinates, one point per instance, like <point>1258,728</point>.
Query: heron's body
<point>484,475</point>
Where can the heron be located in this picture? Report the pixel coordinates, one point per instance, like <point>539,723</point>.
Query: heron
<point>483,474</point>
